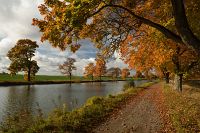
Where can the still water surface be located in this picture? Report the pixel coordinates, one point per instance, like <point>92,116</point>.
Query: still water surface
<point>15,98</point>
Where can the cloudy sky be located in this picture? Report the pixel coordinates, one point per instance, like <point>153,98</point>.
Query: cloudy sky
<point>15,23</point>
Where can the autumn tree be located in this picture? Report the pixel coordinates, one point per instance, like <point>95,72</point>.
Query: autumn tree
<point>138,74</point>
<point>21,58</point>
<point>125,73</point>
<point>64,21</point>
<point>147,53</point>
<point>67,67</point>
<point>100,67</point>
<point>114,72</point>
<point>89,70</point>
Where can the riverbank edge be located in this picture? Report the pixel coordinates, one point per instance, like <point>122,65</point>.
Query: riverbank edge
<point>12,83</point>
<point>94,112</point>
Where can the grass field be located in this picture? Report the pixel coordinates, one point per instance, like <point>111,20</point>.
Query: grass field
<point>17,78</point>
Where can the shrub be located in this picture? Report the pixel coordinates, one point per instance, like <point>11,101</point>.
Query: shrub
<point>128,85</point>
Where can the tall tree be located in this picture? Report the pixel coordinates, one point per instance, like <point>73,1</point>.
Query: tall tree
<point>67,67</point>
<point>125,73</point>
<point>138,74</point>
<point>100,67</point>
<point>113,20</point>
<point>114,72</point>
<point>89,70</point>
<point>21,58</point>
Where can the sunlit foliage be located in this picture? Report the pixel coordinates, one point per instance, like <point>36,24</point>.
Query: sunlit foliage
<point>100,67</point>
<point>89,70</point>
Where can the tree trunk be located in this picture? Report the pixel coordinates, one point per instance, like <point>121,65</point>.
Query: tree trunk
<point>167,77</point>
<point>178,82</point>
<point>70,77</point>
<point>29,75</point>
<point>29,72</point>
<point>185,36</point>
<point>181,82</point>
<point>183,27</point>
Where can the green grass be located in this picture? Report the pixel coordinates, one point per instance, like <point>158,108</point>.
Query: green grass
<point>184,109</point>
<point>20,78</point>
<point>7,77</point>
<point>93,112</point>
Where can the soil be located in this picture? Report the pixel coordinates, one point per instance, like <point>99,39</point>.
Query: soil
<point>144,113</point>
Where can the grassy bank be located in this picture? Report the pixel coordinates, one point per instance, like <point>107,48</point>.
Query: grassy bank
<point>184,109</point>
<point>93,112</point>
<point>7,80</point>
<point>18,77</point>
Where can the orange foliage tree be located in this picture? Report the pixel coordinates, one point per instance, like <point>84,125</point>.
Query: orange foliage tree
<point>21,56</point>
<point>100,67</point>
<point>114,72</point>
<point>147,53</point>
<point>89,70</point>
<point>112,20</point>
<point>125,73</point>
<point>67,67</point>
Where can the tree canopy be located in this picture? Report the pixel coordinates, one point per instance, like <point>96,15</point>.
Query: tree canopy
<point>67,67</point>
<point>110,21</point>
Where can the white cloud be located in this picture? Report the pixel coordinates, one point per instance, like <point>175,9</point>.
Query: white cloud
<point>15,20</point>
<point>5,45</point>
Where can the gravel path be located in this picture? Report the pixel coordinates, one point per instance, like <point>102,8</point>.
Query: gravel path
<point>140,115</point>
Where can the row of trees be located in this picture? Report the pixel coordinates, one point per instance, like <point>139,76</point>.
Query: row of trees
<point>93,70</point>
<point>21,60</point>
<point>21,56</point>
<point>99,70</point>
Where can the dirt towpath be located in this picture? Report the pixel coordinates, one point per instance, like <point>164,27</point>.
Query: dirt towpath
<point>141,114</point>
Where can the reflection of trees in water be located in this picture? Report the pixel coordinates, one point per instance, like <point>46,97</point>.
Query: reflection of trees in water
<point>100,87</point>
<point>20,98</point>
<point>95,88</point>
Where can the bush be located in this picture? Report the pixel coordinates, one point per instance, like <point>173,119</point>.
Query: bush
<point>130,84</point>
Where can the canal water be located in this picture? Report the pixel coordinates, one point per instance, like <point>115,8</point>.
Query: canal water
<point>47,97</point>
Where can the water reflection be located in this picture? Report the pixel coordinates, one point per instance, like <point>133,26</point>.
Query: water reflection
<point>20,98</point>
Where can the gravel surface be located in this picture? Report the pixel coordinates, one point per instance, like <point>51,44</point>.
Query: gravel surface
<point>140,115</point>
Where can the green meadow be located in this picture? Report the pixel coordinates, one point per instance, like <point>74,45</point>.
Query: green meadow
<point>18,77</point>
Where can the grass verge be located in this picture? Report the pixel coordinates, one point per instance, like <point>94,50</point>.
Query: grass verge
<point>93,112</point>
<point>184,109</point>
